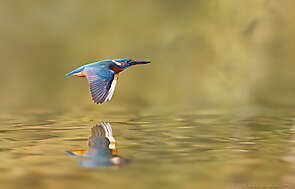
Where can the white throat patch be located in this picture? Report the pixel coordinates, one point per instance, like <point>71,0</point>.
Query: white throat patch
<point>118,63</point>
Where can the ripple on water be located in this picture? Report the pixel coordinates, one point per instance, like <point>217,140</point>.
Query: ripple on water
<point>187,148</point>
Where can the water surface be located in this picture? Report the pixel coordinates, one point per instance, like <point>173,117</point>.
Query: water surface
<point>207,149</point>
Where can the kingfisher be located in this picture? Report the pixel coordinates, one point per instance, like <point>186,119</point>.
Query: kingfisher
<point>102,76</point>
<point>102,150</point>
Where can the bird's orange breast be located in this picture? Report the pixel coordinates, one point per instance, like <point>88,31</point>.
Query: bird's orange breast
<point>116,69</point>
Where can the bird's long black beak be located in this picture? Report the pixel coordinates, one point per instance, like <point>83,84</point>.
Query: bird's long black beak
<point>142,62</point>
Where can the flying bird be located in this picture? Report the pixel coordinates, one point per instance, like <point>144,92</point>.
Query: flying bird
<point>102,76</point>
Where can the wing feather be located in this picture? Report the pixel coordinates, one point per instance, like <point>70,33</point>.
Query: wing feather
<point>101,83</point>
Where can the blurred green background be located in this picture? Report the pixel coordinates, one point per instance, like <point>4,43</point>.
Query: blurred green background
<point>219,53</point>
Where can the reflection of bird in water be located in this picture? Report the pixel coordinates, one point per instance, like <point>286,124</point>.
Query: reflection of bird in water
<point>102,76</point>
<point>102,149</point>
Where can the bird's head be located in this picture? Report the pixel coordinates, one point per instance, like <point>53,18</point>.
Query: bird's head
<point>126,62</point>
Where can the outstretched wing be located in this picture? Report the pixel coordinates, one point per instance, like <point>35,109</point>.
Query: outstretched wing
<point>102,83</point>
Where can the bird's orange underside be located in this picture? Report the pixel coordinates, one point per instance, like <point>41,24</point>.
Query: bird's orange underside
<point>116,69</point>
<point>116,76</point>
<point>80,74</point>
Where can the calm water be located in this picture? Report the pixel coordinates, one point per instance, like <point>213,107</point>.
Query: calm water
<point>206,149</point>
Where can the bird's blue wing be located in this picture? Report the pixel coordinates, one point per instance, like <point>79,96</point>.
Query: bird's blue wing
<point>100,81</point>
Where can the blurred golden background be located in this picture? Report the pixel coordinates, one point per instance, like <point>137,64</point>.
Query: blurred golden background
<point>205,53</point>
